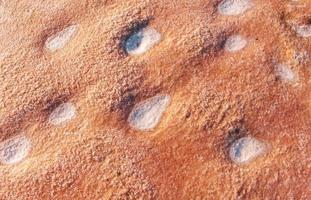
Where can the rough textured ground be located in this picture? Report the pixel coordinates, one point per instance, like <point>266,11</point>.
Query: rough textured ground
<point>219,93</point>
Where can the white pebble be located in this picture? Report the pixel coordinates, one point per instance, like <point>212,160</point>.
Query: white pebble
<point>234,7</point>
<point>142,41</point>
<point>235,43</point>
<point>60,39</point>
<point>246,149</point>
<point>147,114</point>
<point>284,73</point>
<point>14,149</point>
<point>303,30</point>
<point>63,113</point>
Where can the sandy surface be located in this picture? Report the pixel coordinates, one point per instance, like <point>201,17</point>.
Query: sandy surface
<point>69,99</point>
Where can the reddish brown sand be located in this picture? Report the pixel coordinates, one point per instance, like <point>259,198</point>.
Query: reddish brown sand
<point>216,97</point>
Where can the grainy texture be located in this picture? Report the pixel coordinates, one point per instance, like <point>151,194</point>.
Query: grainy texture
<point>216,97</point>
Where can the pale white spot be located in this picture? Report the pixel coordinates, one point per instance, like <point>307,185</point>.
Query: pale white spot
<point>235,43</point>
<point>284,73</point>
<point>63,113</point>
<point>147,114</point>
<point>60,39</point>
<point>246,149</point>
<point>14,150</point>
<point>142,41</point>
<point>234,7</point>
<point>303,30</point>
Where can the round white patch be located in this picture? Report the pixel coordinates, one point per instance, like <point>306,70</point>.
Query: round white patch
<point>14,150</point>
<point>234,7</point>
<point>63,113</point>
<point>235,43</point>
<point>142,41</point>
<point>246,149</point>
<point>60,39</point>
<point>147,114</point>
<point>284,73</point>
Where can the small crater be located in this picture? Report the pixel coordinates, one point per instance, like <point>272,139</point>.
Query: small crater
<point>234,7</point>
<point>63,113</point>
<point>246,149</point>
<point>147,114</point>
<point>235,43</point>
<point>141,41</point>
<point>60,39</point>
<point>14,150</point>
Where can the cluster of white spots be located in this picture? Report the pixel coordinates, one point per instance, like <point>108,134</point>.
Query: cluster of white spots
<point>14,149</point>
<point>246,149</point>
<point>63,113</point>
<point>142,41</point>
<point>234,7</point>
<point>284,73</point>
<point>146,115</point>
<point>303,30</point>
<point>235,43</point>
<point>60,39</point>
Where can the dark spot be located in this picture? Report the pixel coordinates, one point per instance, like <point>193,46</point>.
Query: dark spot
<point>130,39</point>
<point>188,115</point>
<point>127,101</point>
<point>52,103</point>
<point>133,42</point>
<point>234,134</point>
